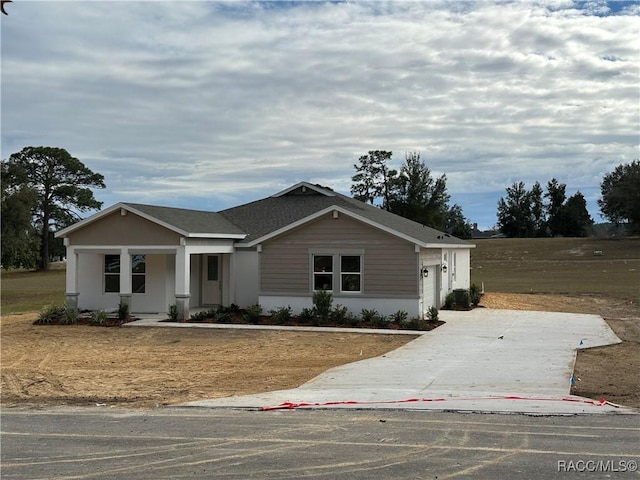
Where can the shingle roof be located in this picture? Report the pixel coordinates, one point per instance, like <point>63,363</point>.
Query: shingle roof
<point>262,217</point>
<point>189,221</point>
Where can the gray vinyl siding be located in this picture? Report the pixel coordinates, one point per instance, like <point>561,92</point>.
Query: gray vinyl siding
<point>389,263</point>
<point>130,229</point>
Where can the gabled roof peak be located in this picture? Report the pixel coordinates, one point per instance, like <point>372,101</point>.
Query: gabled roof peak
<point>305,188</point>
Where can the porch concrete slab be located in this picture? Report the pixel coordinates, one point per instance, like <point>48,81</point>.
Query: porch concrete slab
<point>483,360</point>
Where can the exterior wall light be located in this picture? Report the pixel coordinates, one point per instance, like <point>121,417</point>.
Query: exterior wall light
<point>424,271</point>
<point>444,268</point>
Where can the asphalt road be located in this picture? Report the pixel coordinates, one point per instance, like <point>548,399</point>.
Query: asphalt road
<point>104,443</point>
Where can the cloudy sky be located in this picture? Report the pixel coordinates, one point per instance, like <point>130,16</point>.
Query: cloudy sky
<point>210,104</point>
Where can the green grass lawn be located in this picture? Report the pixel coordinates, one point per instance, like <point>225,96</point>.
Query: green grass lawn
<point>559,265</point>
<point>30,291</point>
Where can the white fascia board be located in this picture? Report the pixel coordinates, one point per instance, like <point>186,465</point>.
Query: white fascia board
<point>231,236</point>
<point>96,216</point>
<point>315,188</point>
<point>117,249</point>
<point>449,245</point>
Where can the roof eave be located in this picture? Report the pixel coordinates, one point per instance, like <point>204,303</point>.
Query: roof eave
<point>231,236</point>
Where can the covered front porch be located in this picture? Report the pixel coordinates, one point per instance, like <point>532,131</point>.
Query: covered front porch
<point>150,278</point>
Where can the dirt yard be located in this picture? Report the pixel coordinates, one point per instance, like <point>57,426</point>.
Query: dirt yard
<point>145,367</point>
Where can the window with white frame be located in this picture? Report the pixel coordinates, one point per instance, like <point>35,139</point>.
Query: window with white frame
<point>341,272</point>
<point>138,273</point>
<point>323,272</point>
<point>350,273</point>
<point>112,273</point>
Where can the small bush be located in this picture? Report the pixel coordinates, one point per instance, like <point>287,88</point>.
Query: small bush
<point>464,301</point>
<point>415,323</point>
<point>57,315</point>
<point>322,301</point>
<point>281,315</point>
<point>475,295</point>
<point>339,314</point>
<point>223,317</point>
<point>432,314</point>
<point>379,321</point>
<point>99,317</point>
<point>352,320</point>
<point>252,313</point>
<point>368,315</point>
<point>307,314</point>
<point>123,311</point>
<point>233,308</point>
<point>173,312</point>
<point>374,318</point>
<point>399,317</point>
<point>448,301</point>
<point>203,315</point>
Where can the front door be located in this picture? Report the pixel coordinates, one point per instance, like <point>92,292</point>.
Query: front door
<point>211,280</point>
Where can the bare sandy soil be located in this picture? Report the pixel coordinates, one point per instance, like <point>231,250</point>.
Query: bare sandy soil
<point>145,367</point>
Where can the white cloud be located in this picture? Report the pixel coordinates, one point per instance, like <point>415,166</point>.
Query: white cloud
<point>218,103</point>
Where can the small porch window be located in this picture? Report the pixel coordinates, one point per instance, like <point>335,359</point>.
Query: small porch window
<point>112,273</point>
<point>138,273</point>
<point>322,272</point>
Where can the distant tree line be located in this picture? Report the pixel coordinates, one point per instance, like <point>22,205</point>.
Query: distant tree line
<point>43,189</point>
<point>535,213</point>
<point>411,192</point>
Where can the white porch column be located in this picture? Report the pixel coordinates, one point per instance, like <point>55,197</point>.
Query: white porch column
<point>125,276</point>
<point>71,280</point>
<point>183,267</point>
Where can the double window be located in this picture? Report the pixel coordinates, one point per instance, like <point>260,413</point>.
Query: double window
<point>343,269</point>
<point>112,273</point>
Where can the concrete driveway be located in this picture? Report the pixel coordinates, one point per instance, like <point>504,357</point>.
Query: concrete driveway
<point>483,360</point>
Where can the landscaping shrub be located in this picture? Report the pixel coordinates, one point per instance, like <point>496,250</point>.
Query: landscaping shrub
<point>233,308</point>
<point>252,313</point>
<point>99,317</point>
<point>306,315</point>
<point>223,316</point>
<point>322,301</point>
<point>374,318</point>
<point>448,301</point>
<point>379,321</point>
<point>399,317</point>
<point>281,315</point>
<point>339,315</point>
<point>432,314</point>
<point>368,315</point>
<point>201,316</point>
<point>57,315</point>
<point>123,311</point>
<point>474,294</point>
<point>352,320</point>
<point>415,323</point>
<point>462,299</point>
<point>173,312</point>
